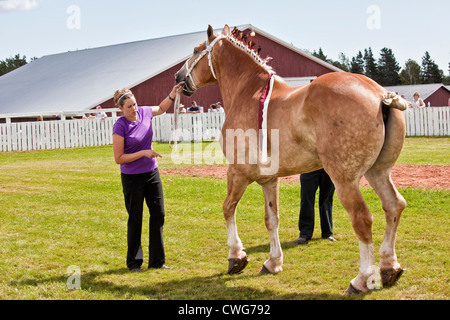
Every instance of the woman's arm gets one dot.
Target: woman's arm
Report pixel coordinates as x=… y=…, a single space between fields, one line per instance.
x=167 y=102
x=120 y=157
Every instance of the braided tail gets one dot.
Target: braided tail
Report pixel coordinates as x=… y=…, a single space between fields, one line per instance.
x=392 y=100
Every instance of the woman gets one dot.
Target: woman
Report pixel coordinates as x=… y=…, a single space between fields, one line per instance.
x=417 y=102
x=132 y=145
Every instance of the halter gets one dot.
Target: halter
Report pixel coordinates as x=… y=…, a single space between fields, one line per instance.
x=208 y=51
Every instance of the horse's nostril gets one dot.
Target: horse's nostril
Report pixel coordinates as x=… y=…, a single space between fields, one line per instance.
x=179 y=78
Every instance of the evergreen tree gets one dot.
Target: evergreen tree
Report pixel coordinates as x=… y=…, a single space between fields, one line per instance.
x=410 y=74
x=370 y=65
x=357 y=64
x=343 y=63
x=12 y=63
x=430 y=70
x=320 y=55
x=388 y=68
x=446 y=79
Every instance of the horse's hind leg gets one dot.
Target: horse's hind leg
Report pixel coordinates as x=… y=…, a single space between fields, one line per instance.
x=393 y=205
x=361 y=218
x=236 y=185
x=271 y=218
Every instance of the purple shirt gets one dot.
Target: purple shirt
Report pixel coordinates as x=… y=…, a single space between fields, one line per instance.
x=137 y=136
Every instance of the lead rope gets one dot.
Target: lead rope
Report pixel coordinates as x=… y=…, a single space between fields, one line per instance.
x=174 y=134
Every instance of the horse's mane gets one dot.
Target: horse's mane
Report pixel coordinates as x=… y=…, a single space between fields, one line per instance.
x=239 y=39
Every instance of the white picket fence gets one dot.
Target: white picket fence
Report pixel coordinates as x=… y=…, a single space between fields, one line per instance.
x=60 y=134
x=191 y=126
x=23 y=136
x=433 y=121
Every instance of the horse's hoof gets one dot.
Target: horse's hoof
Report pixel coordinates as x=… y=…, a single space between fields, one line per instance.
x=264 y=270
x=237 y=265
x=352 y=290
x=390 y=276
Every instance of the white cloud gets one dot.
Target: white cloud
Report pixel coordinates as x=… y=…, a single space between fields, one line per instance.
x=13 y=5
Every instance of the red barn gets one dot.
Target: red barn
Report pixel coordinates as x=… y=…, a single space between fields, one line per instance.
x=436 y=94
x=84 y=79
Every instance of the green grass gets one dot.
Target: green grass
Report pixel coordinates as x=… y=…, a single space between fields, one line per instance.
x=61 y=208
x=430 y=150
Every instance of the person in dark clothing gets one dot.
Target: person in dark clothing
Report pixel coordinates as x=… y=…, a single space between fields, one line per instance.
x=309 y=182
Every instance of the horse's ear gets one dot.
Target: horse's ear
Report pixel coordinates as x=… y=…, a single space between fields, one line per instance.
x=226 y=30
x=210 y=31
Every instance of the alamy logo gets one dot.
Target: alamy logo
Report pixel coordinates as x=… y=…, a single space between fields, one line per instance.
x=373 y=22
x=73 y=22
x=241 y=147
x=74 y=280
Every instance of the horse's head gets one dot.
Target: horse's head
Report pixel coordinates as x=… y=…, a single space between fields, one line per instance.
x=198 y=70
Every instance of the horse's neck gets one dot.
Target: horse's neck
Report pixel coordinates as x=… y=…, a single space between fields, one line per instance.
x=241 y=79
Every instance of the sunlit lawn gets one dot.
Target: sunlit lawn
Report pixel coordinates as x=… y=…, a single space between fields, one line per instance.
x=61 y=208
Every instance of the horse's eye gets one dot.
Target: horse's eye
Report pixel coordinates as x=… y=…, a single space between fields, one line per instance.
x=195 y=51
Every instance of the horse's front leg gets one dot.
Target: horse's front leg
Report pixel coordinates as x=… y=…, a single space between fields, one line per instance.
x=271 y=192
x=236 y=185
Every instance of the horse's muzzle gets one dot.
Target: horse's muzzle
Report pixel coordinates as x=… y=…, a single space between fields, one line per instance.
x=180 y=76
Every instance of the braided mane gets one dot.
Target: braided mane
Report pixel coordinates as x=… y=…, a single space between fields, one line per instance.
x=239 y=39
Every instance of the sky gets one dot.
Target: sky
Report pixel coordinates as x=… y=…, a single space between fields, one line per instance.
x=36 y=28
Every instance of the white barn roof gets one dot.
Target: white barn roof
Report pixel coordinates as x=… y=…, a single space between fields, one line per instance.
x=424 y=90
x=80 y=80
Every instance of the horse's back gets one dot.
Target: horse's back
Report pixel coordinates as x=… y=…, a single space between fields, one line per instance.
x=341 y=88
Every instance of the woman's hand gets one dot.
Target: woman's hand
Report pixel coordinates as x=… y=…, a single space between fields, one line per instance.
x=178 y=88
x=167 y=102
x=151 y=154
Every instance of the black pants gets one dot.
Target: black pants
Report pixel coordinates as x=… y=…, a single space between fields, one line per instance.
x=136 y=189
x=309 y=183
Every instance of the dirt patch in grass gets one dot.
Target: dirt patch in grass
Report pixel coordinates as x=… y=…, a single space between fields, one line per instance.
x=416 y=176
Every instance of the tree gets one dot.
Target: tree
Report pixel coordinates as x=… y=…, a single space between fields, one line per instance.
x=430 y=70
x=320 y=55
x=388 y=68
x=410 y=74
x=357 y=64
x=370 y=65
x=446 y=79
x=344 y=62
x=12 y=63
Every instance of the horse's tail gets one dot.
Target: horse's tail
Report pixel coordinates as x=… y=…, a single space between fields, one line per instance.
x=393 y=100
x=395 y=130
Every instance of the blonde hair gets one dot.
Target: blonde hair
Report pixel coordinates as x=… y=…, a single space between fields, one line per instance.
x=416 y=94
x=121 y=95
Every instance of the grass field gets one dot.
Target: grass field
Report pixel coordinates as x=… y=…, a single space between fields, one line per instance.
x=62 y=208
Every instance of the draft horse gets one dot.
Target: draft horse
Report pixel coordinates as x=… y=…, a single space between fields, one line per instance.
x=342 y=122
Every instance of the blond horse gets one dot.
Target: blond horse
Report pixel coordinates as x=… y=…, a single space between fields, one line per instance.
x=342 y=122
